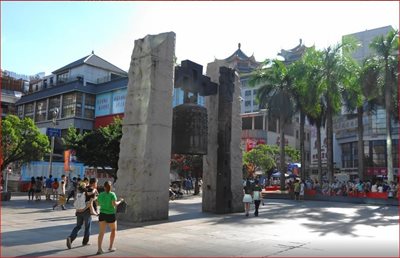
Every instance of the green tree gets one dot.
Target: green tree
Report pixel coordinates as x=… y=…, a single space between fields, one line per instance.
x=264 y=157
x=386 y=48
x=275 y=94
x=98 y=148
x=21 y=141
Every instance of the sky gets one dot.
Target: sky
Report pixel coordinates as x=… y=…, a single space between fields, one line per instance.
x=44 y=36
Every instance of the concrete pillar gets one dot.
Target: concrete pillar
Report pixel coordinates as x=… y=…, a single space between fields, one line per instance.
x=145 y=150
x=222 y=176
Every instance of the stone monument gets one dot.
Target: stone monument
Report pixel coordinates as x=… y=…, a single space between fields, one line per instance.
x=145 y=149
x=222 y=166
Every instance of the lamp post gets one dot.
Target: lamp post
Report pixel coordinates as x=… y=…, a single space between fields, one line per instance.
x=8 y=171
x=54 y=123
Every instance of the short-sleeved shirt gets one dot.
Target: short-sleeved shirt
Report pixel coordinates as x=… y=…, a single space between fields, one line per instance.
x=105 y=202
x=61 y=187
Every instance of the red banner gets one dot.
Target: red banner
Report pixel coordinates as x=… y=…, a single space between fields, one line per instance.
x=375 y=171
x=67 y=157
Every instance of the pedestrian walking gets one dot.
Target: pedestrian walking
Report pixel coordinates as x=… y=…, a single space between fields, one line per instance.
x=83 y=215
x=257 y=196
x=296 y=190
x=302 y=188
x=31 y=191
x=107 y=201
x=48 y=187
x=38 y=189
x=61 y=194
x=247 y=199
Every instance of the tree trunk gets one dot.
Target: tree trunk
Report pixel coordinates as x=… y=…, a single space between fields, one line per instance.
x=319 y=153
x=329 y=137
x=302 y=150
x=282 y=152
x=388 y=125
x=360 y=142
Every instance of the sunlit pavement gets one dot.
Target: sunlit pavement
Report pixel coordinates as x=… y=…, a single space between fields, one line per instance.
x=283 y=228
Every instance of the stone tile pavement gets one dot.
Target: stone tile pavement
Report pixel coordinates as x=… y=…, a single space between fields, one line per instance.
x=284 y=228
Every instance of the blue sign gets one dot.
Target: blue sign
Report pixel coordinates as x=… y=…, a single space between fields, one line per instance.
x=56 y=132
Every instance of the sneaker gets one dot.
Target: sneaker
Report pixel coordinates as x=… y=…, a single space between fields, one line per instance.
x=86 y=244
x=99 y=252
x=112 y=249
x=69 y=242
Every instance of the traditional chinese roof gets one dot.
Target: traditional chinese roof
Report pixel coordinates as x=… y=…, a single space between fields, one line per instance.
x=239 y=61
x=293 y=54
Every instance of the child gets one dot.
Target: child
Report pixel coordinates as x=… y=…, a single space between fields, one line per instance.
x=82 y=189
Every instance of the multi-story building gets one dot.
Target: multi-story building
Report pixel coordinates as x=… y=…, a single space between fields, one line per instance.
x=373 y=123
x=11 y=91
x=72 y=90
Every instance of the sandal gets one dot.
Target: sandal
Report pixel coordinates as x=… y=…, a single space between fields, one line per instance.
x=99 y=252
x=112 y=249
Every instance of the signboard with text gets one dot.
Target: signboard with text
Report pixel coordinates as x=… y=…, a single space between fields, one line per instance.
x=110 y=103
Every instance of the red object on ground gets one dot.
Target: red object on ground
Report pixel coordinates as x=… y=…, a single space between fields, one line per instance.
x=272 y=188
x=310 y=192
x=377 y=195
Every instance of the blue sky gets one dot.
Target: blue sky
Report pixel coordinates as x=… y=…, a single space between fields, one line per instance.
x=44 y=36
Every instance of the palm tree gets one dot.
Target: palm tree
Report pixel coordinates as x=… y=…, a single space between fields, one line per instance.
x=361 y=94
x=308 y=87
x=386 y=48
x=275 y=94
x=334 y=76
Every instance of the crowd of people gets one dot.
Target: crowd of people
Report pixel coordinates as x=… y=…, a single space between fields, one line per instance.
x=353 y=187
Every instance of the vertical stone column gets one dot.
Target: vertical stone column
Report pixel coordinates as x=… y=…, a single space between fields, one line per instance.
x=222 y=180
x=145 y=149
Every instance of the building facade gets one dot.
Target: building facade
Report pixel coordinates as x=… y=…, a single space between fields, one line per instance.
x=12 y=89
x=374 y=125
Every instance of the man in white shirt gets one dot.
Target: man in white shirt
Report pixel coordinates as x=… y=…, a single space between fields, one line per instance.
x=61 y=194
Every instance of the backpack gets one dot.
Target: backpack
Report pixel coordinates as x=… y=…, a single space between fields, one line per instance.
x=80 y=201
x=55 y=185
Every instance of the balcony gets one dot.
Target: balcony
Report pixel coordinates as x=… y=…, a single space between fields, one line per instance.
x=256 y=134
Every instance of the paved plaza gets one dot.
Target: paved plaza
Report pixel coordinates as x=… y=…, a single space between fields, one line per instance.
x=283 y=228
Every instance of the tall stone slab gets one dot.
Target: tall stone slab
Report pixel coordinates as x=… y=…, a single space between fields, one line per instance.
x=222 y=177
x=145 y=149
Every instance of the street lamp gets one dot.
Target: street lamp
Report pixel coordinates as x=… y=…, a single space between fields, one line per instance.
x=54 y=115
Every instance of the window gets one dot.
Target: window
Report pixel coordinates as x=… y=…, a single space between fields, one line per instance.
x=68 y=106
x=21 y=111
x=379 y=153
x=247 y=103
x=29 y=110
x=90 y=101
x=41 y=109
x=254 y=92
x=297 y=134
x=247 y=123
x=78 y=104
x=258 y=122
x=62 y=78
x=272 y=125
x=247 y=93
x=54 y=103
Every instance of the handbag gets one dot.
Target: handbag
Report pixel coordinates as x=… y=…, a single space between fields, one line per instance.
x=122 y=207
